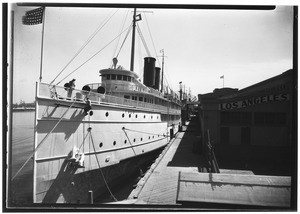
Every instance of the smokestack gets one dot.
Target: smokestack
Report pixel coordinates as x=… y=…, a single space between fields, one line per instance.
x=149 y=71
x=157 y=78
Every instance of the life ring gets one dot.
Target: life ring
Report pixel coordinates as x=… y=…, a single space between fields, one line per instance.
x=101 y=90
x=86 y=88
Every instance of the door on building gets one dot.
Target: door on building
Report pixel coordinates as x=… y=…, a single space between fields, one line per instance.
x=245 y=136
x=224 y=135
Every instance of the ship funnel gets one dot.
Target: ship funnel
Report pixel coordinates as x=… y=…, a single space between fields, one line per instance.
x=157 y=78
x=149 y=71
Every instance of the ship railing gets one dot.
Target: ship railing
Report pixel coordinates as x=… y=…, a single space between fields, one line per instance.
x=62 y=93
x=119 y=87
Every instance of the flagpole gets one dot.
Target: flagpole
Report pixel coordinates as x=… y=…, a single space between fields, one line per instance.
x=223 y=80
x=42 y=45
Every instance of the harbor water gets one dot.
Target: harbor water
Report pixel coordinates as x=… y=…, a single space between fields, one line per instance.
x=22 y=148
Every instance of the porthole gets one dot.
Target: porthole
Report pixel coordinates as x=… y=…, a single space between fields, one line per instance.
x=153 y=136
x=123 y=115
x=149 y=137
x=157 y=117
x=136 y=116
x=125 y=141
x=151 y=117
x=141 y=139
x=144 y=116
x=101 y=144
x=129 y=115
x=106 y=114
x=134 y=140
x=114 y=143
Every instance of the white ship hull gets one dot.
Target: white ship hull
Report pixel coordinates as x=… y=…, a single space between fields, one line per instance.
x=114 y=134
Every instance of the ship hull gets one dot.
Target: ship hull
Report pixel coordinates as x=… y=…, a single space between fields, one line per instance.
x=110 y=139
x=70 y=187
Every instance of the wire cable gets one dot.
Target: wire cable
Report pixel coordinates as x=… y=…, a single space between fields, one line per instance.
x=85 y=44
x=92 y=56
x=91 y=137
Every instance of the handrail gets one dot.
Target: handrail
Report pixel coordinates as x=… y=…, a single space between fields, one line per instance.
x=60 y=93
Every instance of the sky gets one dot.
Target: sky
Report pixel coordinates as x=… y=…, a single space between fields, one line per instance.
x=200 y=46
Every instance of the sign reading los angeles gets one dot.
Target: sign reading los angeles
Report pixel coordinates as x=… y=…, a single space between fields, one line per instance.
x=254 y=101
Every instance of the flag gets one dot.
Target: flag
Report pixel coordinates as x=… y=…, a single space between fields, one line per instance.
x=222 y=77
x=138 y=17
x=33 y=17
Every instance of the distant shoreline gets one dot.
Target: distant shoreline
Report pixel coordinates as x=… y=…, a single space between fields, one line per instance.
x=23 y=109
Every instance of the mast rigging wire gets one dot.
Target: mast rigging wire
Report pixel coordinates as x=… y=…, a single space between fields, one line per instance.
x=120 y=31
x=143 y=40
x=151 y=37
x=92 y=56
x=85 y=44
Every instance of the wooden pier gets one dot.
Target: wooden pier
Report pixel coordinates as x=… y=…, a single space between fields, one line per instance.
x=181 y=177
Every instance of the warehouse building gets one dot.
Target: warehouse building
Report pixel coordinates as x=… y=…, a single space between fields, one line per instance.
x=259 y=115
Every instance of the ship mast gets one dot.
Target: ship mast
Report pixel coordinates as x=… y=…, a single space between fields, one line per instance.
x=162 y=71
x=133 y=40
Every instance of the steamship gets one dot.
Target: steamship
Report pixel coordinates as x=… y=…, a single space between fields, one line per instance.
x=88 y=139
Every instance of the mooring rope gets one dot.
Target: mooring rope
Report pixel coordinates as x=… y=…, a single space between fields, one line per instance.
x=89 y=129
x=44 y=139
x=129 y=141
x=145 y=132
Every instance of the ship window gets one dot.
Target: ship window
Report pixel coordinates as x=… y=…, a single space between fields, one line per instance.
x=129 y=79
x=136 y=116
x=125 y=141
x=124 y=78
x=113 y=76
x=101 y=144
x=119 y=77
x=114 y=143
x=140 y=98
x=108 y=76
x=123 y=115
x=126 y=96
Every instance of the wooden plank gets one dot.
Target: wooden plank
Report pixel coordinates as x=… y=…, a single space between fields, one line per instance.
x=237 y=179
x=271 y=191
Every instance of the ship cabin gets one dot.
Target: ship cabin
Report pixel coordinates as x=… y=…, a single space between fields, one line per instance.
x=126 y=84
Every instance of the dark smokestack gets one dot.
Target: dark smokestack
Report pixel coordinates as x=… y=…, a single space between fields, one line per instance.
x=149 y=71
x=157 y=78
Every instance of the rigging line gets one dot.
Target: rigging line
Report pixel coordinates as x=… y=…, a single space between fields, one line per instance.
x=143 y=40
x=42 y=141
x=100 y=167
x=124 y=41
x=129 y=140
x=151 y=37
x=120 y=31
x=92 y=56
x=83 y=140
x=146 y=132
x=85 y=44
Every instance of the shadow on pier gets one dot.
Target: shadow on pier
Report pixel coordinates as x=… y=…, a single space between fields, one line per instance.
x=188 y=153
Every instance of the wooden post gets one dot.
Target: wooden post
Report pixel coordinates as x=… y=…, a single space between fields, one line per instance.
x=91 y=198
